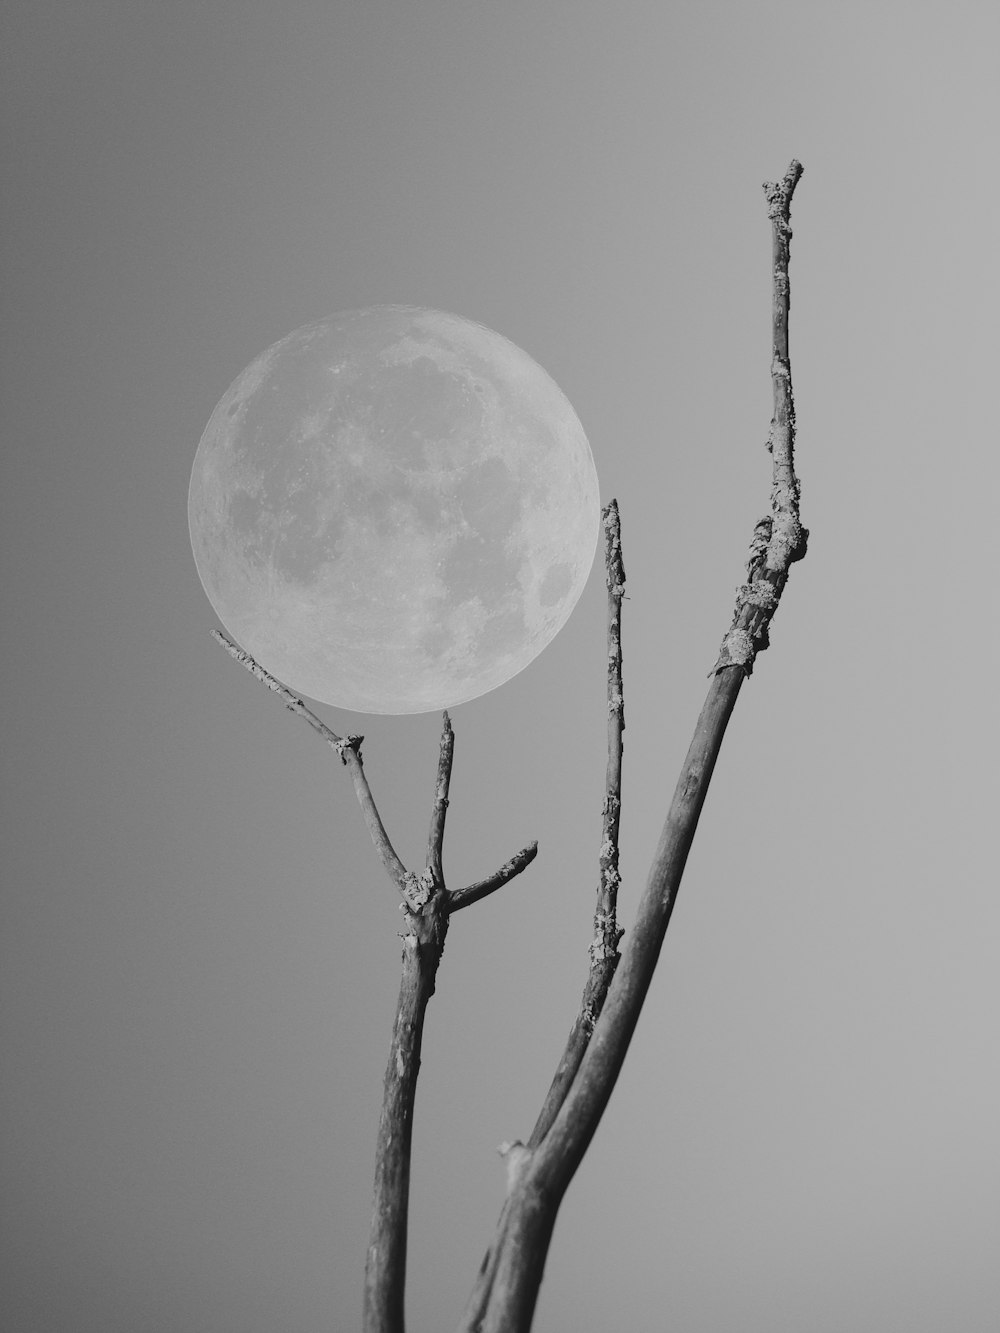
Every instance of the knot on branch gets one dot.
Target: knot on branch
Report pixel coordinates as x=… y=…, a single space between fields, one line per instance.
x=610 y=877
x=607 y=933
x=345 y=743
x=760 y=594
x=417 y=890
x=787 y=544
x=601 y=951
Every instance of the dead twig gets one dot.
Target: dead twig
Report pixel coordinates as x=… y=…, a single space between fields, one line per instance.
x=347 y=747
x=604 y=948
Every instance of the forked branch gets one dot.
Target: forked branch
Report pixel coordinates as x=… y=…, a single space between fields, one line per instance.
x=518 y=1260
x=427 y=906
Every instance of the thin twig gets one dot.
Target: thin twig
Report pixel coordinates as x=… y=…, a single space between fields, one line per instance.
x=604 y=948
x=349 y=750
x=435 y=838
x=459 y=898
x=533 y=1202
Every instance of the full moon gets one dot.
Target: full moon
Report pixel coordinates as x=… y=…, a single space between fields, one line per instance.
x=393 y=510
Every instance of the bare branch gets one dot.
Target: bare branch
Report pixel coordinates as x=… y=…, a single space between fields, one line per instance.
x=529 y=1214
x=779 y=539
x=349 y=750
x=427 y=907
x=460 y=898
x=604 y=948
x=435 y=839
x=385 y=1268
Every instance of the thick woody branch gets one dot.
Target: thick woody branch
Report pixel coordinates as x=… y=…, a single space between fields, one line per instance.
x=460 y=898
x=533 y=1202
x=349 y=750
x=532 y=1208
x=385 y=1267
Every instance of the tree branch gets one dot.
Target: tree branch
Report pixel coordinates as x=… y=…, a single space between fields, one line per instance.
x=385 y=1267
x=427 y=906
x=778 y=539
x=472 y=893
x=349 y=750
x=435 y=839
x=537 y=1191
x=604 y=949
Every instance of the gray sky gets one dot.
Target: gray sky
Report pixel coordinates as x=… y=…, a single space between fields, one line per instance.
x=200 y=958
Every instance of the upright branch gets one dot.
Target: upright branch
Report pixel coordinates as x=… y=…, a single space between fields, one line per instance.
x=538 y=1187
x=779 y=539
x=435 y=838
x=425 y=913
x=427 y=907
x=604 y=948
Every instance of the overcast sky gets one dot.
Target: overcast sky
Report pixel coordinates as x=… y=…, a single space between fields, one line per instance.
x=200 y=952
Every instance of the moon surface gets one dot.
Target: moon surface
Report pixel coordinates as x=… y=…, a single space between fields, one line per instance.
x=394 y=510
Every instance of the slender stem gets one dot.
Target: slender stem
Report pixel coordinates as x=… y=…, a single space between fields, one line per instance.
x=459 y=898
x=348 y=748
x=385 y=1268
x=604 y=949
x=435 y=838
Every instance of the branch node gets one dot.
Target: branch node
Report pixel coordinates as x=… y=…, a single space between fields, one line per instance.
x=417 y=890
x=346 y=743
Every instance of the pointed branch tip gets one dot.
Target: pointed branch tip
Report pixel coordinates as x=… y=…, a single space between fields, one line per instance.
x=460 y=898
